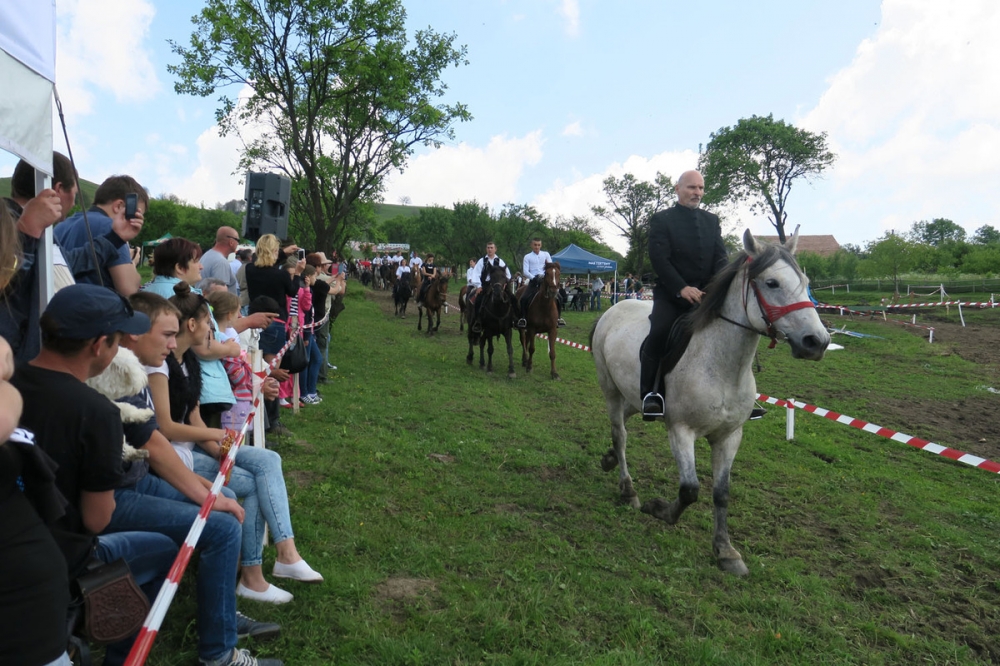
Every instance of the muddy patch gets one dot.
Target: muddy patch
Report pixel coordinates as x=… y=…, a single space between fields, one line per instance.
x=968 y=425
x=302 y=478
x=400 y=596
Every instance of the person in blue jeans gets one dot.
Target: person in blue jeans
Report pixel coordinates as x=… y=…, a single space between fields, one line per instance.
x=82 y=432
x=256 y=478
x=169 y=502
x=309 y=379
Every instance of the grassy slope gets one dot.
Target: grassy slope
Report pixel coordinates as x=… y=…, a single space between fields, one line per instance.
x=861 y=550
x=386 y=211
x=88 y=188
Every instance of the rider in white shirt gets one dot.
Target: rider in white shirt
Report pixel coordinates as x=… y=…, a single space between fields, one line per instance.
x=482 y=270
x=533 y=269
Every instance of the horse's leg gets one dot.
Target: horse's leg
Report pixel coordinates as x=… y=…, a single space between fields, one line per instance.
x=522 y=335
x=682 y=445
x=420 y=316
x=489 y=359
x=509 y=335
x=482 y=347
x=723 y=452
x=552 y=352
x=616 y=456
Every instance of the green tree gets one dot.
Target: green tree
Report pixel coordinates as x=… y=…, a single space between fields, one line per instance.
x=813 y=265
x=843 y=264
x=986 y=235
x=889 y=257
x=982 y=260
x=631 y=202
x=341 y=96
x=757 y=161
x=936 y=232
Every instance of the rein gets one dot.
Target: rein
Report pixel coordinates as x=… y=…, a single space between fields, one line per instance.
x=769 y=313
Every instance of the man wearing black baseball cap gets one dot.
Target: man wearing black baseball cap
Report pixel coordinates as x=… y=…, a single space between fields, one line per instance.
x=82 y=431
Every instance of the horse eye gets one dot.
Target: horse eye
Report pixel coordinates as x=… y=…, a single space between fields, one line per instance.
x=772 y=283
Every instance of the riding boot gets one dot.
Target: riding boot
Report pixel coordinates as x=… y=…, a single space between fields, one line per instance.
x=560 y=322
x=652 y=401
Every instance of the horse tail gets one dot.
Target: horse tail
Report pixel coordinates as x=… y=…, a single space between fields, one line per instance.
x=593 y=328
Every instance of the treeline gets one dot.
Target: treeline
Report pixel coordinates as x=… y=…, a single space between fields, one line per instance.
x=170 y=214
x=939 y=247
x=461 y=232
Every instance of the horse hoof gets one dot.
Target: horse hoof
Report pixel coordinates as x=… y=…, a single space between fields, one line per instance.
x=734 y=566
x=511 y=375
x=659 y=508
x=609 y=461
x=555 y=376
x=631 y=500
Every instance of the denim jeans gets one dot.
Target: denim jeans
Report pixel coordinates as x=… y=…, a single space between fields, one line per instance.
x=323 y=341
x=156 y=506
x=310 y=376
x=257 y=480
x=595 y=300
x=149 y=557
x=273 y=338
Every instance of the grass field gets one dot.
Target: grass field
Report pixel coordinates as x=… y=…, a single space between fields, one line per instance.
x=461 y=518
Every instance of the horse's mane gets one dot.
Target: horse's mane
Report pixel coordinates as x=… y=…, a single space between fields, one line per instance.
x=718 y=288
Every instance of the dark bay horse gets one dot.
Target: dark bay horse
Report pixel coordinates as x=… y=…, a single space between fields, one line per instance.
x=497 y=314
x=710 y=391
x=542 y=314
x=434 y=301
x=401 y=296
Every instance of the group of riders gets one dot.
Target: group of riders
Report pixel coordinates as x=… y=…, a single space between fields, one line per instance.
x=477 y=277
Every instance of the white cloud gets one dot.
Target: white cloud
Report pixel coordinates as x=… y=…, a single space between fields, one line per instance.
x=101 y=48
x=915 y=120
x=570 y=11
x=576 y=197
x=463 y=172
x=573 y=129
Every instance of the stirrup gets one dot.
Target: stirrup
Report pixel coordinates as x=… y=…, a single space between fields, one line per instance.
x=477 y=328
x=522 y=323
x=757 y=413
x=652 y=406
x=560 y=322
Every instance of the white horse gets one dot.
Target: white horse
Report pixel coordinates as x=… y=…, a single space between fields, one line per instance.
x=711 y=390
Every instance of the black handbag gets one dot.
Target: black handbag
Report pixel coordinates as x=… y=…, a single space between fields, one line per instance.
x=114 y=606
x=296 y=358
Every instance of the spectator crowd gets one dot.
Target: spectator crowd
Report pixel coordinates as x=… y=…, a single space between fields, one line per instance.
x=117 y=403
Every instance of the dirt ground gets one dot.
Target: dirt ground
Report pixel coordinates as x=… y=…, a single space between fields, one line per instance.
x=969 y=425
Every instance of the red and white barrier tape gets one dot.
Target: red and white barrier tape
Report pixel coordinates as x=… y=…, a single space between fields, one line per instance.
x=154 y=619
x=985 y=304
x=575 y=345
x=916 y=442
x=871 y=314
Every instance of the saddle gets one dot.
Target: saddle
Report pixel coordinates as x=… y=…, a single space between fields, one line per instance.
x=677 y=343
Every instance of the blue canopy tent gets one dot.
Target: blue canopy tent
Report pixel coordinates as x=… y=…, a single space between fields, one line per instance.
x=574 y=259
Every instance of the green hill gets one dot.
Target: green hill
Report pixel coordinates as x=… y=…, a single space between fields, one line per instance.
x=386 y=211
x=88 y=188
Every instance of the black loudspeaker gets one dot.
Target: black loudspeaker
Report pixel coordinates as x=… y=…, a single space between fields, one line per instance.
x=267 y=196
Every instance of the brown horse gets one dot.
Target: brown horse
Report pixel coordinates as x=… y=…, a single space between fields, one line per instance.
x=434 y=300
x=496 y=314
x=541 y=315
x=463 y=295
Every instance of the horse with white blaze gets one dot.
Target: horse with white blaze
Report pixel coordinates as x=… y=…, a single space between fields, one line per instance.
x=710 y=389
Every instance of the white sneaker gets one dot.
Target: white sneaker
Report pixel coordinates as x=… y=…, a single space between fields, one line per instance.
x=316 y=398
x=299 y=571
x=272 y=595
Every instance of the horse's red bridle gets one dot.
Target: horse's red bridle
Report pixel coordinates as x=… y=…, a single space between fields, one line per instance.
x=770 y=313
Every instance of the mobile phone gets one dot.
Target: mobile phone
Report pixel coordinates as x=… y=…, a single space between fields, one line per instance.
x=301 y=254
x=131 y=205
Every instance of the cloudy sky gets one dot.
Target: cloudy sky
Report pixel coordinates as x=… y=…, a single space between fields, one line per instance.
x=567 y=92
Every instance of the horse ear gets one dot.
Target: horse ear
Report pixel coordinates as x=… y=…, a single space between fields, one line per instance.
x=792 y=244
x=750 y=244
